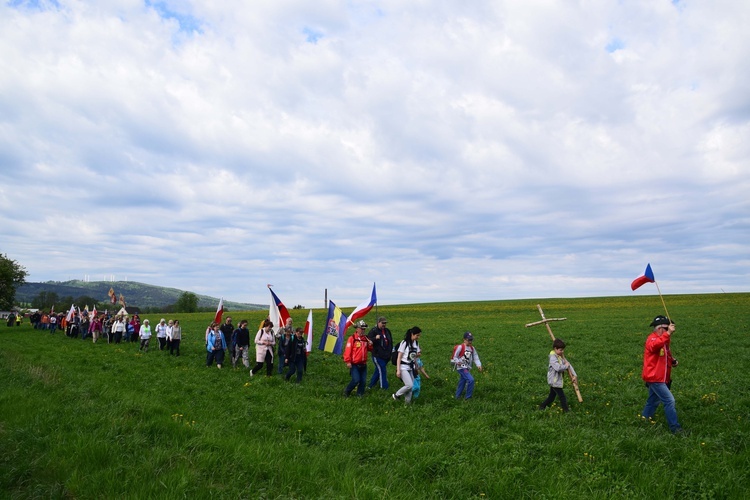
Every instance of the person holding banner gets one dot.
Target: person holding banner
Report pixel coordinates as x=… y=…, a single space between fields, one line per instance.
x=657 y=372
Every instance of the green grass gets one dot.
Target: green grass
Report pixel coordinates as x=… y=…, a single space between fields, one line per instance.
x=79 y=420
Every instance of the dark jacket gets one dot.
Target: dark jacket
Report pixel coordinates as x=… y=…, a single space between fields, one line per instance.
x=382 y=347
x=241 y=337
x=295 y=348
x=227 y=330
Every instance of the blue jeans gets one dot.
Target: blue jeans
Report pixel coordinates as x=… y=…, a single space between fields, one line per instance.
x=658 y=392
x=359 y=376
x=380 y=373
x=465 y=380
x=282 y=361
x=298 y=367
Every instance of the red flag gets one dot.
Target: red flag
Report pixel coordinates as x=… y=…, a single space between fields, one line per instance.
x=648 y=277
x=219 y=311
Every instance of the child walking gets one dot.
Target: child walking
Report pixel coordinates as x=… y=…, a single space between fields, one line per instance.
x=558 y=365
x=464 y=355
x=417 y=386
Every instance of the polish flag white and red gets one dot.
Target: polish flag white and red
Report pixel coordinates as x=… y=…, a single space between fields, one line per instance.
x=308 y=331
x=219 y=311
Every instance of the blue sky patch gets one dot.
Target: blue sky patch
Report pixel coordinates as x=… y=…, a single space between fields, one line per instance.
x=614 y=45
x=312 y=35
x=34 y=4
x=187 y=22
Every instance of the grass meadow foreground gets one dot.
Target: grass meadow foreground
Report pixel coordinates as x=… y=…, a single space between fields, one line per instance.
x=84 y=420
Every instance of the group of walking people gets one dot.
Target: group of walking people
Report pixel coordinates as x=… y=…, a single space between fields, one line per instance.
x=407 y=357
x=288 y=344
x=115 y=328
x=657 y=366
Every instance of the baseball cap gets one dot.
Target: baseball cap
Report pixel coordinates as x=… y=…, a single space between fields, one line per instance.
x=468 y=336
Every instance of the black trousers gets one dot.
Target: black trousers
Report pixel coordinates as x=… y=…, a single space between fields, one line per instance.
x=555 y=391
x=268 y=363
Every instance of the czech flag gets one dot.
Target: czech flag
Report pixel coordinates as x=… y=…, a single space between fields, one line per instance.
x=277 y=312
x=648 y=277
x=361 y=310
x=333 y=334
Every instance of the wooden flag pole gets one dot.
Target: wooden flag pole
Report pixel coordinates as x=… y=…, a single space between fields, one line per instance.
x=662 y=301
x=546 y=323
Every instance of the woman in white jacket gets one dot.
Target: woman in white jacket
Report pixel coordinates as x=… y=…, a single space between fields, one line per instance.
x=264 y=344
x=145 y=335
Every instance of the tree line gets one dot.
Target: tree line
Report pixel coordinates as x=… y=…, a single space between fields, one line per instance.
x=13 y=275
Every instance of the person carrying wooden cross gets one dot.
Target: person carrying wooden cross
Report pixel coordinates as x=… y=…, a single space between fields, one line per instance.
x=573 y=377
x=558 y=365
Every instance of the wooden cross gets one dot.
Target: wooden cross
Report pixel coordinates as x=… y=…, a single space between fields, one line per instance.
x=546 y=321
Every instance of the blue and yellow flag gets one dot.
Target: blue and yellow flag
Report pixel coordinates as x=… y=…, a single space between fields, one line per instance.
x=332 y=339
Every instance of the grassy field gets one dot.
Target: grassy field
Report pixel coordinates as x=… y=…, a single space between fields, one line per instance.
x=79 y=420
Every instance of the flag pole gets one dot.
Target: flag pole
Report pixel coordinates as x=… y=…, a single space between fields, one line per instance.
x=662 y=301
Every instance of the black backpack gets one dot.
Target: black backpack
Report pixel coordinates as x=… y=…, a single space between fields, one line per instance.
x=394 y=356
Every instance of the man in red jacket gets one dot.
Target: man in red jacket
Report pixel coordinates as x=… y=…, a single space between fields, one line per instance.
x=355 y=357
x=657 y=372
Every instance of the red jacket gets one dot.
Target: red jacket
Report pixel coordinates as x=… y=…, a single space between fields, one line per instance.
x=657 y=359
x=356 y=349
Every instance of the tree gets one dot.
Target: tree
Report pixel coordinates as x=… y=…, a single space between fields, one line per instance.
x=187 y=303
x=44 y=300
x=85 y=300
x=12 y=275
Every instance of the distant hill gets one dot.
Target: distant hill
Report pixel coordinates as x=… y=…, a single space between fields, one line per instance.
x=136 y=294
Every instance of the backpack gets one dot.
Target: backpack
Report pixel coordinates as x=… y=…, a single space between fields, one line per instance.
x=394 y=353
x=394 y=356
x=457 y=353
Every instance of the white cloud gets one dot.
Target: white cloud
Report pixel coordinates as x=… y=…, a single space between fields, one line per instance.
x=491 y=150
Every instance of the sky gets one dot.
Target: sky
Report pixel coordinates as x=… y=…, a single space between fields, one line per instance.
x=446 y=151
